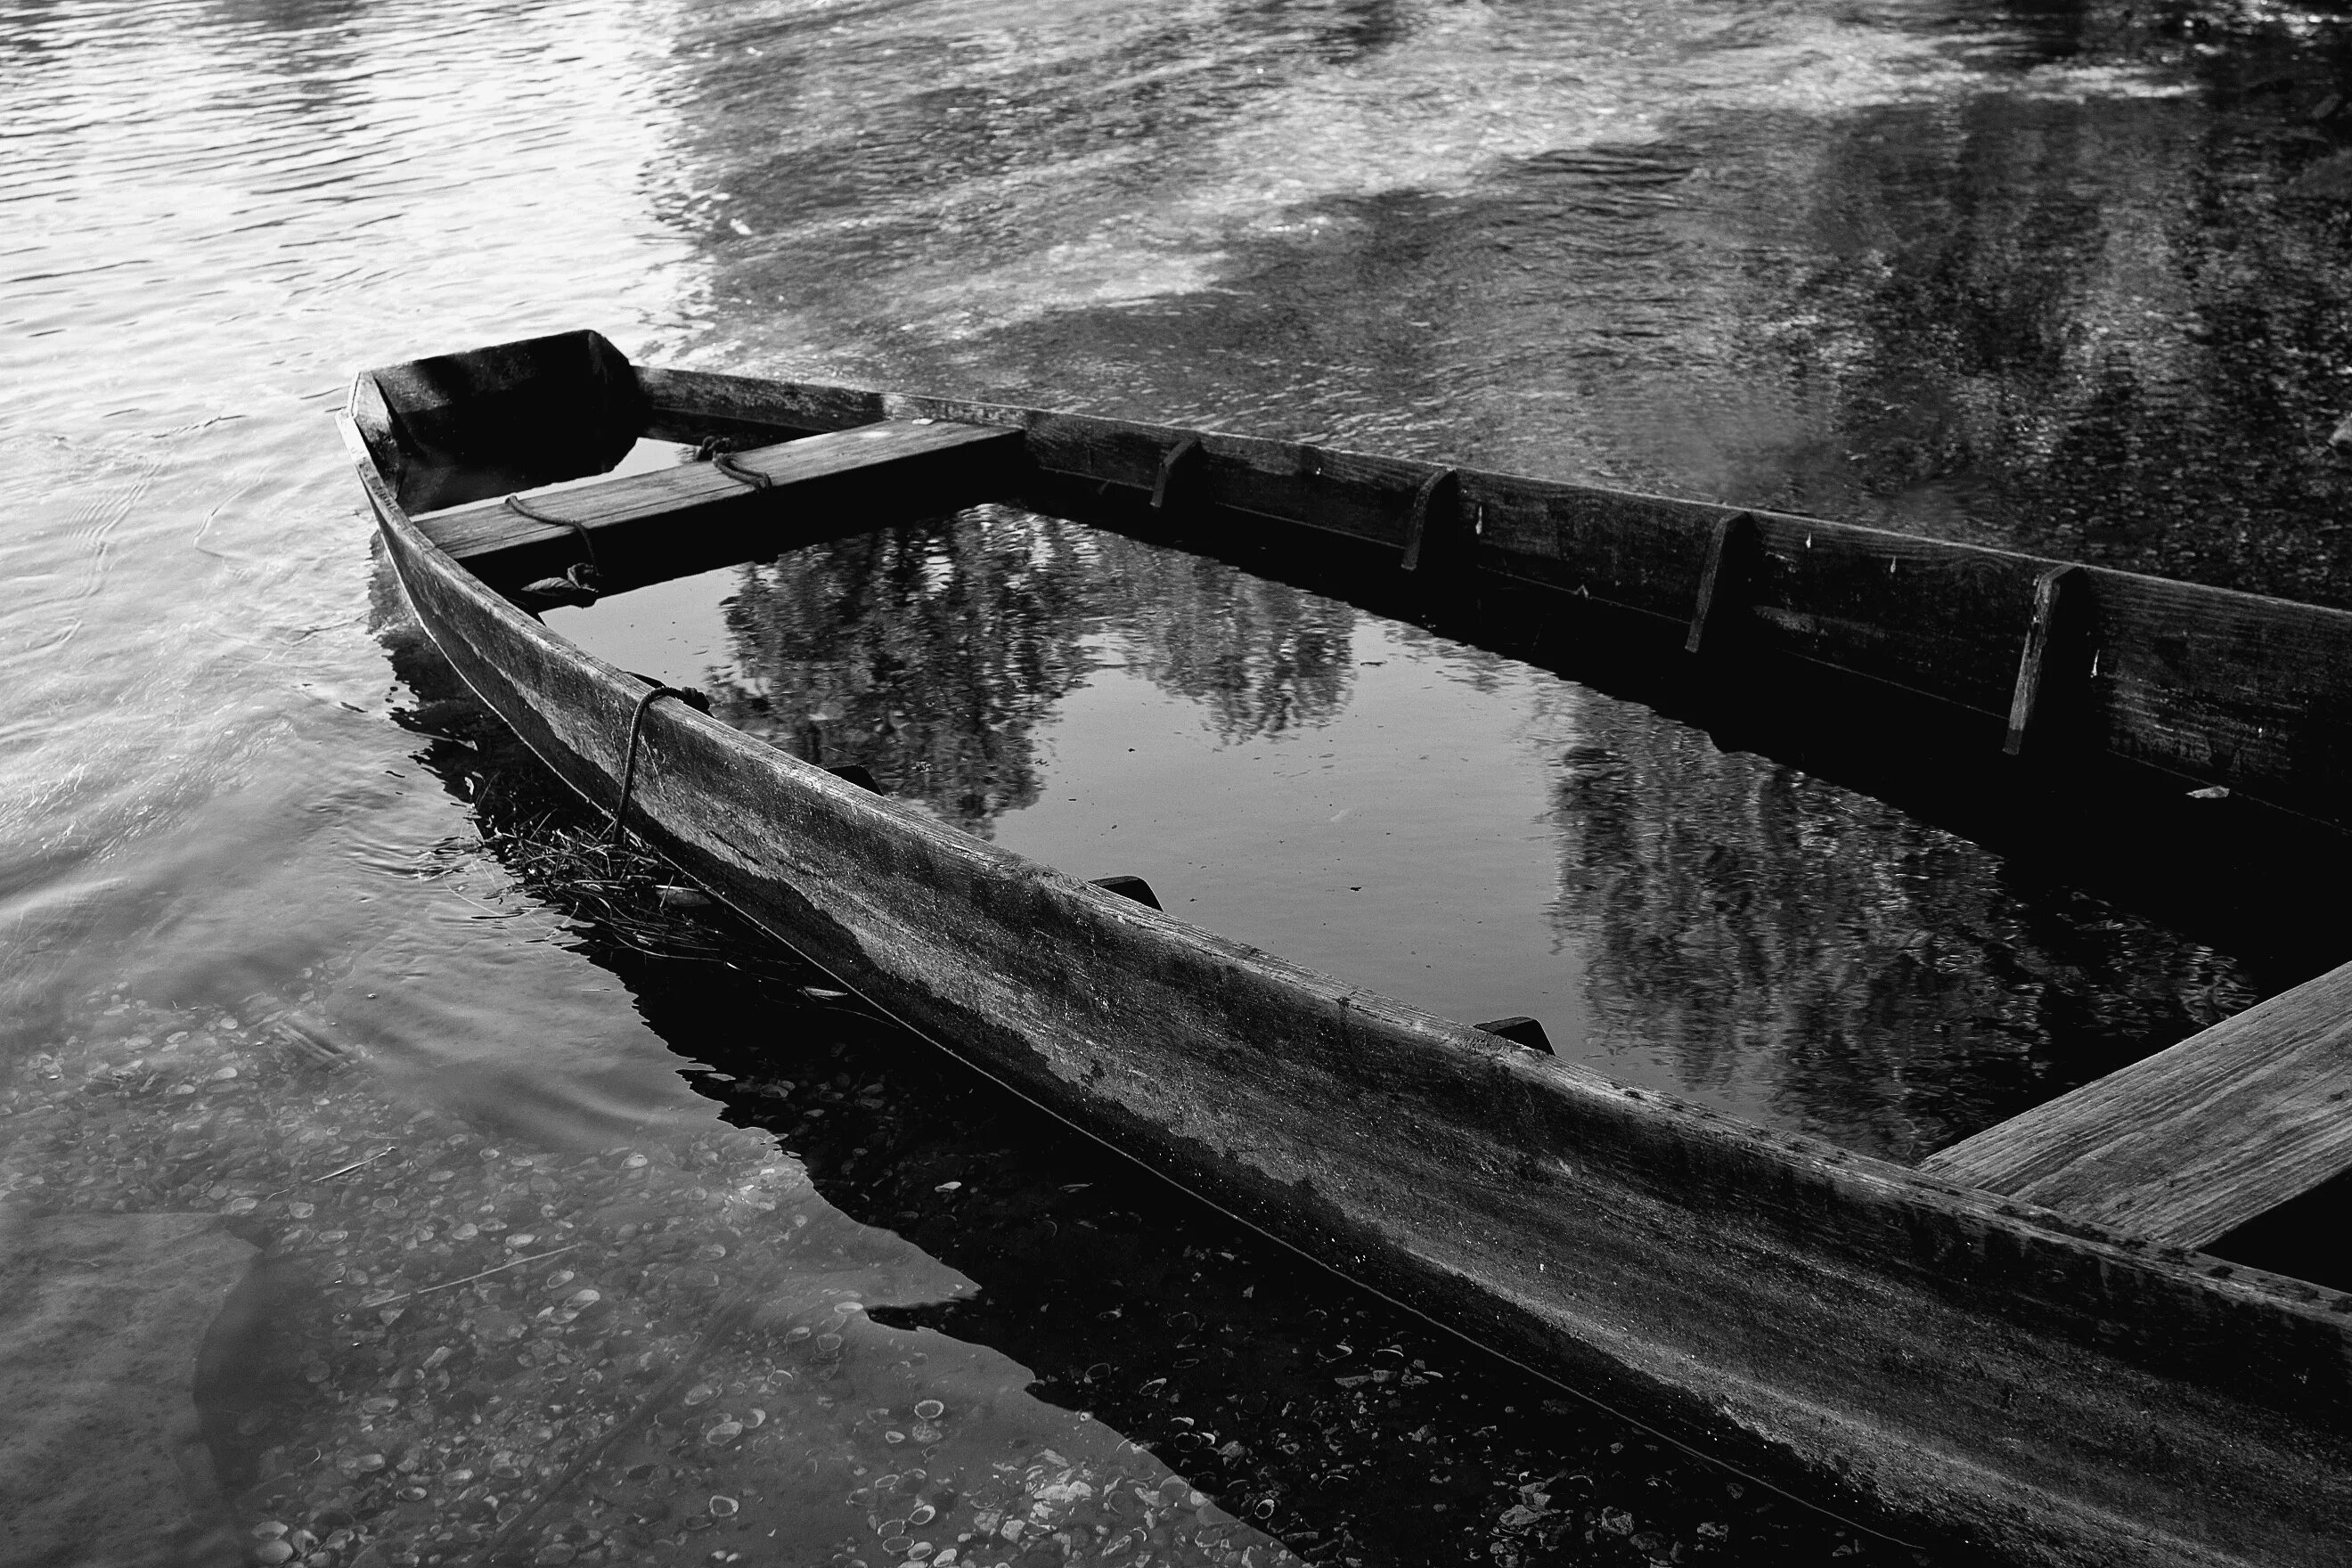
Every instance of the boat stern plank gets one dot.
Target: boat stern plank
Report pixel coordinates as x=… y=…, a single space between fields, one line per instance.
x=647 y=527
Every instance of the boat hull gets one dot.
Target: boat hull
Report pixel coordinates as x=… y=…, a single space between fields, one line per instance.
x=1946 y=1365
x=1966 y=1371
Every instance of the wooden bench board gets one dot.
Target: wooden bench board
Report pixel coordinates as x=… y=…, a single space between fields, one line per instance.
x=2191 y=1142
x=491 y=537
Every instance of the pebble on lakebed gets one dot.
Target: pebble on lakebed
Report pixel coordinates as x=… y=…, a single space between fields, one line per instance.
x=432 y=1377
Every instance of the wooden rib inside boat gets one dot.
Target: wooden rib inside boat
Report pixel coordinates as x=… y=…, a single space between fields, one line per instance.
x=2015 y=1349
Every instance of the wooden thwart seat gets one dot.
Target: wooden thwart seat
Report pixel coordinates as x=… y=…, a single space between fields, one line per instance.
x=2193 y=1142
x=645 y=527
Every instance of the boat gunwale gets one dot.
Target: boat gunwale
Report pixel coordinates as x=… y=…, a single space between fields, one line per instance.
x=2137 y=731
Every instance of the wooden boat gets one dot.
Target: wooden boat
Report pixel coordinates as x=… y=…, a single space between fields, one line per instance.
x=2016 y=1349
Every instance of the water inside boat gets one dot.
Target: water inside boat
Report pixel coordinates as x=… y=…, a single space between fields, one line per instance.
x=1472 y=833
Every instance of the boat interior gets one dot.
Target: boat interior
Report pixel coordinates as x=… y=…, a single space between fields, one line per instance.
x=1935 y=838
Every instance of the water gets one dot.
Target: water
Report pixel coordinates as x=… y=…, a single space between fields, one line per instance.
x=2065 y=277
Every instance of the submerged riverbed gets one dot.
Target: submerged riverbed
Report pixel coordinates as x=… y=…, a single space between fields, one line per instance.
x=289 y=936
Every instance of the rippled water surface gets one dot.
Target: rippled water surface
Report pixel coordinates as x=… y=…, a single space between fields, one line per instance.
x=288 y=936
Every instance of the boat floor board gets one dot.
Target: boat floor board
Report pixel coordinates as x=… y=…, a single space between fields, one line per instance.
x=2191 y=1142
x=776 y=495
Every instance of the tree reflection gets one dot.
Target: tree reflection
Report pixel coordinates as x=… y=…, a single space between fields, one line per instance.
x=1262 y=657
x=1900 y=986
x=933 y=654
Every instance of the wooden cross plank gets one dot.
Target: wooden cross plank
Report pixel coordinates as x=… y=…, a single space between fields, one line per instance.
x=646 y=527
x=2190 y=1144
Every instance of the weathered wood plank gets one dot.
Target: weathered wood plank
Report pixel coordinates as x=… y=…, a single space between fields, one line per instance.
x=1350 y=493
x=2186 y=1145
x=1917 y=613
x=688 y=404
x=1889 y=604
x=1639 y=552
x=680 y=515
x=2229 y=689
x=2215 y=686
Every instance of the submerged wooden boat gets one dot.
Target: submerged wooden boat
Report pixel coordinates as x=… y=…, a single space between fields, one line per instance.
x=2017 y=1349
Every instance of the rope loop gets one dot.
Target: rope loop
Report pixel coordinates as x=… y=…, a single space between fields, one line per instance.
x=726 y=464
x=522 y=507
x=629 y=757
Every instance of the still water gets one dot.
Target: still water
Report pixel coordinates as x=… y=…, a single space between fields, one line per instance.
x=284 y=942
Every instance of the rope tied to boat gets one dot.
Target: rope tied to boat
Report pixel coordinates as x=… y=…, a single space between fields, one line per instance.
x=629 y=756
x=726 y=464
x=582 y=574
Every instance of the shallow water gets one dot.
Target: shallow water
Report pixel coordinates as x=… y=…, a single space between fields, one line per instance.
x=2066 y=276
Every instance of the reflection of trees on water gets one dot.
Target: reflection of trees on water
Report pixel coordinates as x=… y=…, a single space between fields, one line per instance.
x=2094 y=305
x=2090 y=329
x=1905 y=988
x=927 y=654
x=1262 y=657
x=932 y=654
